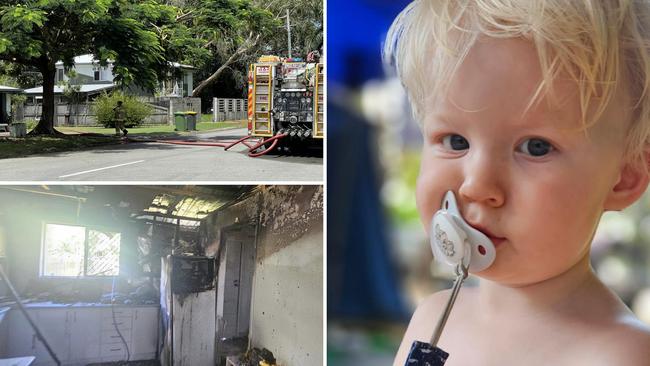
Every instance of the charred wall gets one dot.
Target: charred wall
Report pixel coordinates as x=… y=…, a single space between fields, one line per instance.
x=24 y=215
x=287 y=290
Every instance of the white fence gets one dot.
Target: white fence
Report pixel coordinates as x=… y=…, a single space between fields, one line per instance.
x=229 y=109
x=83 y=115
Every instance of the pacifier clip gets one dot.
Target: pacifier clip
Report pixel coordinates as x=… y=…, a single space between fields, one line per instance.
x=428 y=354
x=456 y=243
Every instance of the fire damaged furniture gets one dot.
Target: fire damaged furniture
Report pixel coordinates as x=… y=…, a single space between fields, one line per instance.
x=85 y=333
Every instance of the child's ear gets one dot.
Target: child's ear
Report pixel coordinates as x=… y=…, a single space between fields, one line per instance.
x=632 y=183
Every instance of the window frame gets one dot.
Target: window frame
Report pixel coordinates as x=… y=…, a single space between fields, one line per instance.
x=87 y=228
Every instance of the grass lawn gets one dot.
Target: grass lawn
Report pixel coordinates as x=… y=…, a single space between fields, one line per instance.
x=163 y=130
x=73 y=140
x=13 y=148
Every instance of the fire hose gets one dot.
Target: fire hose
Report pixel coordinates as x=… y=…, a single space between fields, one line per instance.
x=253 y=147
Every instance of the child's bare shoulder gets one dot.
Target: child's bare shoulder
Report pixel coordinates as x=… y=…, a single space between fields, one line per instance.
x=432 y=305
x=614 y=338
x=421 y=326
x=624 y=342
x=437 y=300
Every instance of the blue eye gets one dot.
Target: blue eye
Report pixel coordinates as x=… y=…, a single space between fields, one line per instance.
x=536 y=147
x=455 y=142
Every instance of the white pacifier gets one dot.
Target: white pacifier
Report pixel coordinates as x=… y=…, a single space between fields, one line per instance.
x=455 y=242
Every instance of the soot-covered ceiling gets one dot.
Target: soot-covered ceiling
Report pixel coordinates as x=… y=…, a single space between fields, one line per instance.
x=173 y=201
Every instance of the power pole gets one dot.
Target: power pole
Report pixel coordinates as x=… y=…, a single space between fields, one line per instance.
x=289 y=32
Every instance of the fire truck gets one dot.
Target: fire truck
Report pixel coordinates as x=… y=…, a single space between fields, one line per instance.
x=285 y=99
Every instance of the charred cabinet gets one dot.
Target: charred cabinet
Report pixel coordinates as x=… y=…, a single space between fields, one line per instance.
x=188 y=310
x=192 y=274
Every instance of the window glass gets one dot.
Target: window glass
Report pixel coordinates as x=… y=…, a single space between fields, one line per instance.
x=103 y=253
x=63 y=250
x=74 y=251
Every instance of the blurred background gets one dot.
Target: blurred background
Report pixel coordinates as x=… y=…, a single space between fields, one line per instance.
x=379 y=262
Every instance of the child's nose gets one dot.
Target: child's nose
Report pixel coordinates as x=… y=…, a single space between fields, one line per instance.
x=482 y=181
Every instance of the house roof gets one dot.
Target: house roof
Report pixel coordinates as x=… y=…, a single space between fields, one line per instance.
x=90 y=60
x=182 y=66
x=85 y=88
x=8 y=89
x=83 y=60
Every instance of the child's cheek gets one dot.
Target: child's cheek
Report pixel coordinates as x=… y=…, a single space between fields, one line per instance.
x=433 y=181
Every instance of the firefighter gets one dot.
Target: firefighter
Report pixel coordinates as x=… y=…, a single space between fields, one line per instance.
x=119 y=116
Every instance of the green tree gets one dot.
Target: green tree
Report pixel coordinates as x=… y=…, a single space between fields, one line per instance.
x=225 y=30
x=38 y=33
x=306 y=20
x=221 y=37
x=19 y=76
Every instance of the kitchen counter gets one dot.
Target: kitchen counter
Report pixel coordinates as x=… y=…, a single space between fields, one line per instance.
x=49 y=304
x=17 y=361
x=3 y=312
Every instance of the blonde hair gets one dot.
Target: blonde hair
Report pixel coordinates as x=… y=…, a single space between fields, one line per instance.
x=601 y=44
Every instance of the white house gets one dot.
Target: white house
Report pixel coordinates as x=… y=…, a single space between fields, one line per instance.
x=88 y=71
x=94 y=79
x=179 y=85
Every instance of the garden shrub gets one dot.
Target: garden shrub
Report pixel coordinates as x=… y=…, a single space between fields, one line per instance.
x=136 y=111
x=30 y=123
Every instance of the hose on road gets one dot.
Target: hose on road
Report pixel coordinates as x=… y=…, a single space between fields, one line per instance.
x=227 y=144
x=257 y=143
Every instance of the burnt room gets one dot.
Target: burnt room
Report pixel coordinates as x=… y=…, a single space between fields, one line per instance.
x=161 y=275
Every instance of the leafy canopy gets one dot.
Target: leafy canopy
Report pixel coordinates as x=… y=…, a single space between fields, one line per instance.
x=40 y=33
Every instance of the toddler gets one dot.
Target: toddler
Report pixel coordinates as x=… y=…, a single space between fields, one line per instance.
x=536 y=114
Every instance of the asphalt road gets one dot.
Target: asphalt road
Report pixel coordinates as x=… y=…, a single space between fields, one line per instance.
x=156 y=162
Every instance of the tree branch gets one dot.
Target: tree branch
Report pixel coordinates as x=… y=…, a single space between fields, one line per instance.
x=269 y=4
x=182 y=17
x=249 y=43
x=158 y=29
x=209 y=43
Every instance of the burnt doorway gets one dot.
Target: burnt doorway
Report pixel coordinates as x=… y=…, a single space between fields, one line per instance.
x=234 y=287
